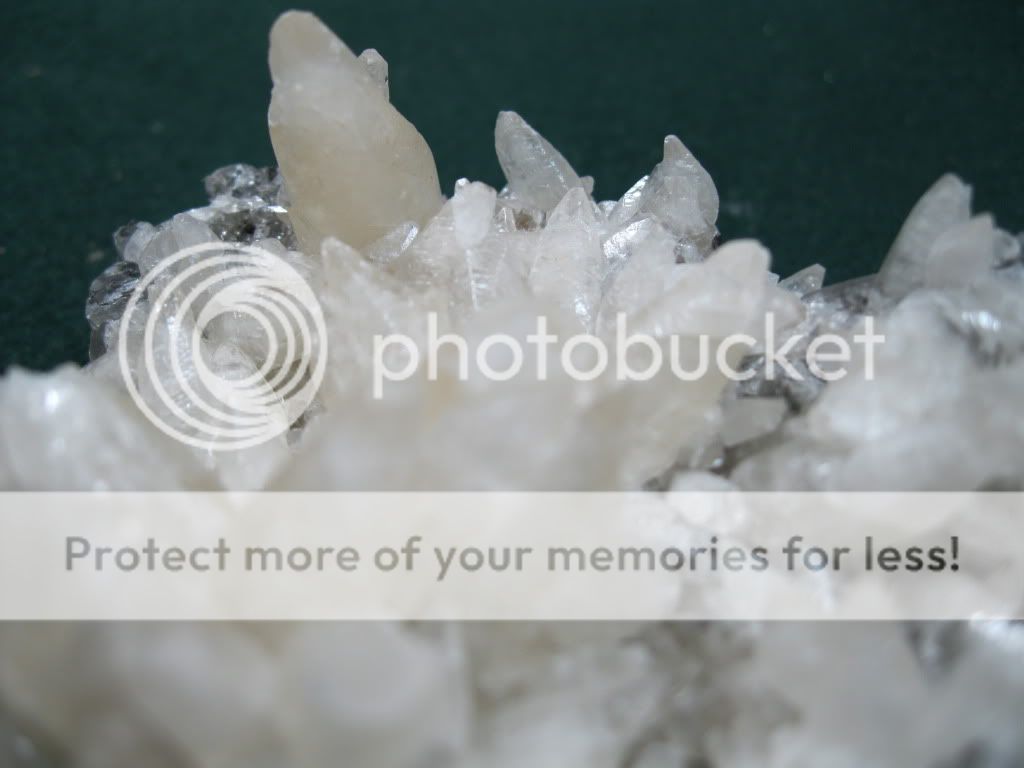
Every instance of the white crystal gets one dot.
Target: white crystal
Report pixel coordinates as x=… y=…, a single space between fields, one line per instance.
x=473 y=209
x=569 y=266
x=68 y=431
x=377 y=66
x=807 y=280
x=962 y=253
x=679 y=193
x=946 y=204
x=536 y=172
x=383 y=251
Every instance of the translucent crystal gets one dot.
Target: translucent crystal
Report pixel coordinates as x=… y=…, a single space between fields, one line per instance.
x=354 y=168
x=242 y=182
x=108 y=297
x=536 y=172
x=462 y=251
x=680 y=194
x=252 y=224
x=149 y=247
x=569 y=267
x=384 y=254
x=1008 y=249
x=989 y=316
x=962 y=253
x=377 y=66
x=641 y=264
x=516 y=214
x=946 y=204
x=123 y=234
x=807 y=280
x=692 y=304
x=389 y=247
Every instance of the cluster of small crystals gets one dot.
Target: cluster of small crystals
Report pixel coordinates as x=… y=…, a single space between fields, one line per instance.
x=358 y=208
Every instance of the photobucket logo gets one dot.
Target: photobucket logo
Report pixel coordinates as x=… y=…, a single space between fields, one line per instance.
x=222 y=346
x=633 y=356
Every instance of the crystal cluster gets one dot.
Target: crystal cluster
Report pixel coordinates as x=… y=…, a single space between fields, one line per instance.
x=358 y=210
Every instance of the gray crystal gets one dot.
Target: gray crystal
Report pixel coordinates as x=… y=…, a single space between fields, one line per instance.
x=990 y=317
x=252 y=224
x=536 y=172
x=377 y=66
x=799 y=393
x=946 y=204
x=244 y=182
x=108 y=296
x=836 y=306
x=1008 y=249
x=681 y=194
x=123 y=234
x=807 y=280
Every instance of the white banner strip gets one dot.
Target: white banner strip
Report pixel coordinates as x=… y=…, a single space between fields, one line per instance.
x=510 y=556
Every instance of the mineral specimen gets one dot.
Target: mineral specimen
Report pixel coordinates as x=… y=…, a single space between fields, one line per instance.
x=537 y=174
x=354 y=167
x=384 y=251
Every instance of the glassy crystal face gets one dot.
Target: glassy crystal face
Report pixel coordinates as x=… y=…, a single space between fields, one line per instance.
x=244 y=182
x=108 y=297
x=357 y=211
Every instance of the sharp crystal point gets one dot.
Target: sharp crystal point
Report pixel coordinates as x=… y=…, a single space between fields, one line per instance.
x=354 y=168
x=361 y=219
x=473 y=208
x=536 y=172
x=946 y=204
x=673 y=150
x=377 y=66
x=807 y=280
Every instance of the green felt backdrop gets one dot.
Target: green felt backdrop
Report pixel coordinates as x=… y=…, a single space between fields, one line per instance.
x=821 y=122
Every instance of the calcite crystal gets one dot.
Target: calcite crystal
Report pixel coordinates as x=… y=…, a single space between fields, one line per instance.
x=537 y=173
x=355 y=168
x=357 y=210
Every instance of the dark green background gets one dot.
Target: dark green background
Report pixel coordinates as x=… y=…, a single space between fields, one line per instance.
x=821 y=122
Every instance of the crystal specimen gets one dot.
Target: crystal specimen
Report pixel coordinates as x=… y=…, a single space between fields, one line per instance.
x=537 y=173
x=807 y=280
x=70 y=420
x=377 y=66
x=244 y=182
x=246 y=205
x=354 y=167
x=945 y=206
x=108 y=297
x=384 y=253
x=681 y=195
